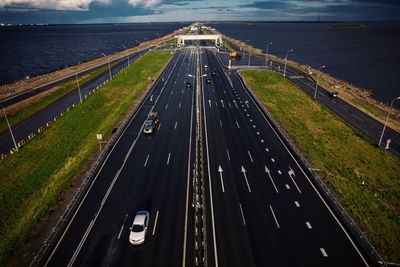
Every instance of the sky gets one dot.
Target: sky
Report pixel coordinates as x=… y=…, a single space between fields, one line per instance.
x=125 y=11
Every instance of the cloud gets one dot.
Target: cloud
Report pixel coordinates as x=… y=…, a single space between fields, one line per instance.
x=50 y=4
x=145 y=3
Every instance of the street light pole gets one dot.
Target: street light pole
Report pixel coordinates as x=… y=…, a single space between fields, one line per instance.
x=79 y=88
x=109 y=68
x=284 y=72
x=387 y=118
x=9 y=127
x=127 y=53
x=316 y=85
x=266 y=55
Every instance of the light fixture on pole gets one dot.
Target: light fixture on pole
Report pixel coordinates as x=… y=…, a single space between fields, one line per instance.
x=109 y=68
x=387 y=118
x=316 y=84
x=266 y=55
x=284 y=72
x=9 y=127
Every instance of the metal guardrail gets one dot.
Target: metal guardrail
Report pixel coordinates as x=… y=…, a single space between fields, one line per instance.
x=351 y=225
x=90 y=175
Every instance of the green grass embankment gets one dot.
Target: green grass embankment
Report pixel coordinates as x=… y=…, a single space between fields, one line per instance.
x=26 y=108
x=32 y=180
x=364 y=177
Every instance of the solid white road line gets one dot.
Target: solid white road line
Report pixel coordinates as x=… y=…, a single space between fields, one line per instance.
x=155 y=223
x=308 y=225
x=273 y=214
x=145 y=163
x=169 y=156
x=241 y=211
x=297 y=204
x=251 y=158
x=323 y=252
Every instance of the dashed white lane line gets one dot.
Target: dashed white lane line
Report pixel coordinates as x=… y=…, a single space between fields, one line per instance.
x=273 y=214
x=166 y=106
x=122 y=227
x=229 y=104
x=155 y=223
x=258 y=133
x=241 y=211
x=262 y=140
x=297 y=204
x=229 y=156
x=308 y=225
x=248 y=115
x=266 y=149
x=220 y=123
x=279 y=171
x=147 y=159
x=251 y=120
x=272 y=159
x=287 y=186
x=323 y=251
x=237 y=124
x=180 y=104
x=182 y=92
x=159 y=127
x=169 y=156
x=355 y=116
x=254 y=126
x=172 y=92
x=176 y=123
x=251 y=158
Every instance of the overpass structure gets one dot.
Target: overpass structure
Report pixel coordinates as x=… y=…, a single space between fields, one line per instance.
x=215 y=37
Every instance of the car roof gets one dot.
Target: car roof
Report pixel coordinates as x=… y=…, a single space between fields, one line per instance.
x=140 y=216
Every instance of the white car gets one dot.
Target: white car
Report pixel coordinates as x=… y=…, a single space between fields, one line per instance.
x=139 y=228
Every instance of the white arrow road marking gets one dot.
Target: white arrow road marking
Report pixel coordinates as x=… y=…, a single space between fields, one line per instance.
x=291 y=174
x=243 y=170
x=220 y=176
x=270 y=177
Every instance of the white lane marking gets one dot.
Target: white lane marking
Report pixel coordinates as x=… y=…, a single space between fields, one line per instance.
x=287 y=186
x=273 y=214
x=345 y=109
x=172 y=91
x=248 y=115
x=323 y=252
x=229 y=104
x=151 y=98
x=291 y=174
x=270 y=177
x=266 y=149
x=308 y=225
x=224 y=91
x=209 y=103
x=229 y=156
x=251 y=158
x=145 y=163
x=169 y=156
x=241 y=211
x=155 y=223
x=279 y=171
x=262 y=140
x=222 y=179
x=180 y=104
x=258 y=133
x=355 y=116
x=297 y=204
x=166 y=106
x=254 y=126
x=237 y=124
x=182 y=92
x=245 y=177
x=159 y=126
x=222 y=103
x=176 y=123
x=122 y=227
x=251 y=120
x=220 y=123
x=245 y=110
x=272 y=159
x=234 y=102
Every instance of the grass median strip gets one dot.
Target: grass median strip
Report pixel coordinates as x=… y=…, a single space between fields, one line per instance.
x=364 y=177
x=32 y=180
x=26 y=108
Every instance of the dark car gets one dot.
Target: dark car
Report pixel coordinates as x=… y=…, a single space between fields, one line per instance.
x=186 y=59
x=208 y=81
x=188 y=84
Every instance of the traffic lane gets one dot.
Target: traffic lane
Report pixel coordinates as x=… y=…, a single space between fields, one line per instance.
x=258 y=155
x=39 y=119
x=233 y=246
x=100 y=186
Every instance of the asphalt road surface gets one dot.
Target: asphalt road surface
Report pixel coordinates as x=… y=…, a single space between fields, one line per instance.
x=262 y=208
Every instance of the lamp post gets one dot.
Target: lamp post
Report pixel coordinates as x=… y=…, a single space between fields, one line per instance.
x=284 y=72
x=266 y=55
x=387 y=118
x=127 y=53
x=79 y=88
x=9 y=127
x=316 y=84
x=109 y=68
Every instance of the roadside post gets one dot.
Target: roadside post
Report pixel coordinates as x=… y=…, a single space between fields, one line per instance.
x=99 y=138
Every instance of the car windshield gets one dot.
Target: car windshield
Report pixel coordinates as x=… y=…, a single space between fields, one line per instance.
x=137 y=228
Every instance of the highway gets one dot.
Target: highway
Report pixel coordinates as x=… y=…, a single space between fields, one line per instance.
x=141 y=173
x=359 y=120
x=39 y=119
x=262 y=209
